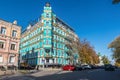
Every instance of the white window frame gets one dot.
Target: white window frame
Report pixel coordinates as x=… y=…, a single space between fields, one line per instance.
x=11 y=59
x=15 y=45
x=3 y=30
x=14 y=33
x=1 y=58
x=3 y=45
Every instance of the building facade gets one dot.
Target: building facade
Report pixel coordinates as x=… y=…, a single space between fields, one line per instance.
x=46 y=41
x=9 y=43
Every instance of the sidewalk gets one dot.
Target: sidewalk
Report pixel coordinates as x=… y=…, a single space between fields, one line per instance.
x=8 y=72
x=36 y=73
x=47 y=69
x=45 y=72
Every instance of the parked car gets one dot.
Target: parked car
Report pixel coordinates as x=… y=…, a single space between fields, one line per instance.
x=86 y=67
x=109 y=67
x=68 y=68
x=101 y=67
x=116 y=67
x=78 y=68
x=94 y=67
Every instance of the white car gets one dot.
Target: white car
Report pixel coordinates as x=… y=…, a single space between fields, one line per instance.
x=86 y=67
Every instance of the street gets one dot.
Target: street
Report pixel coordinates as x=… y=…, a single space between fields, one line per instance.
x=97 y=74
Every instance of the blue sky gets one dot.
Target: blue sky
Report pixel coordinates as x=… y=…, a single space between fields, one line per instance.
x=98 y=21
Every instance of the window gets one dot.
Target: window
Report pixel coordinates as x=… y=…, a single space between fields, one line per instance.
x=47 y=23
x=57 y=45
x=12 y=47
x=41 y=36
x=2 y=45
x=47 y=60
x=33 y=50
x=47 y=15
x=14 y=33
x=54 y=44
x=3 y=30
x=54 y=36
x=57 y=37
x=47 y=42
x=53 y=21
x=54 y=52
x=1 y=58
x=12 y=59
x=48 y=32
x=54 y=29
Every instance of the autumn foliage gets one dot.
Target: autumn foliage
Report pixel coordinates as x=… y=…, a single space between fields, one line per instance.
x=86 y=52
x=115 y=1
x=115 y=47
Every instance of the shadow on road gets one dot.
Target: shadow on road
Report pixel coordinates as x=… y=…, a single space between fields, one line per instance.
x=76 y=75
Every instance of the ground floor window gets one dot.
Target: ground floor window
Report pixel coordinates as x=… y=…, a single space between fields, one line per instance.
x=47 y=60
x=12 y=59
x=53 y=60
x=1 y=58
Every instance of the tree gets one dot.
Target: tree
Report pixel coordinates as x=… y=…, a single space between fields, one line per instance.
x=115 y=1
x=73 y=46
x=87 y=53
x=105 y=60
x=117 y=62
x=115 y=47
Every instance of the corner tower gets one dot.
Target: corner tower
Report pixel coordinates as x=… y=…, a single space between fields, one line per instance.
x=48 y=19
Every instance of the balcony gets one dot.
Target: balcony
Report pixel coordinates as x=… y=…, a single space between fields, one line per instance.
x=48 y=56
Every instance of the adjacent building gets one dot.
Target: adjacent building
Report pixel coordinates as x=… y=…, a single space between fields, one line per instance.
x=9 y=43
x=46 y=42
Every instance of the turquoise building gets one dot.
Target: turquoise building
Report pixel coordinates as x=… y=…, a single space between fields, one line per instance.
x=45 y=42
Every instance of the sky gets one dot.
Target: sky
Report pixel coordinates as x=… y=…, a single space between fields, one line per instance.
x=98 y=21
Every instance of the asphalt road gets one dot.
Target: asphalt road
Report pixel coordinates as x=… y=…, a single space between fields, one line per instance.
x=97 y=74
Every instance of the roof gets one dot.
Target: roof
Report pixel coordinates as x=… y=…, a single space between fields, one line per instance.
x=10 y=22
x=64 y=24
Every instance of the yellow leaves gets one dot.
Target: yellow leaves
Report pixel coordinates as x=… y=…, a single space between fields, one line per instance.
x=105 y=59
x=115 y=46
x=87 y=53
x=115 y=1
